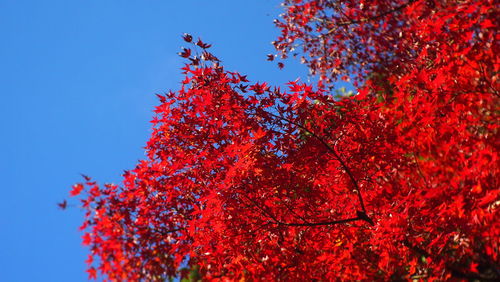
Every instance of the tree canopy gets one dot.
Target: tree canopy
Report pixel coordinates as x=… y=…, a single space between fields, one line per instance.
x=248 y=181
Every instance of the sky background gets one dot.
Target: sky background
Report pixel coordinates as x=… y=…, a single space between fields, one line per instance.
x=77 y=85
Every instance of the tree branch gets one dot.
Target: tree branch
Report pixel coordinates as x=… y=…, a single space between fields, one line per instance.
x=340 y=221
x=367 y=19
x=335 y=154
x=360 y=216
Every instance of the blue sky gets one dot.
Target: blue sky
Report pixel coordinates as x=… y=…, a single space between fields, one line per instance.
x=77 y=85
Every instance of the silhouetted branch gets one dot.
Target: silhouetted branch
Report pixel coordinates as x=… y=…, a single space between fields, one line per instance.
x=335 y=154
x=274 y=220
x=367 y=19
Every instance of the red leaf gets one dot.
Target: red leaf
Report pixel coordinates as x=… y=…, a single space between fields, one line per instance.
x=63 y=205
x=185 y=53
x=92 y=273
x=77 y=189
x=187 y=37
x=202 y=44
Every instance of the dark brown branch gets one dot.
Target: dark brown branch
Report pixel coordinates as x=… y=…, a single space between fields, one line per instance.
x=165 y=232
x=340 y=221
x=335 y=154
x=294 y=213
x=367 y=19
x=260 y=208
x=274 y=220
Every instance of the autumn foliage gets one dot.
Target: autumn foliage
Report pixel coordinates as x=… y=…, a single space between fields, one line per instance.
x=247 y=181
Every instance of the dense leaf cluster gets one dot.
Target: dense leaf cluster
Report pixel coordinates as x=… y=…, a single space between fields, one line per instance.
x=249 y=181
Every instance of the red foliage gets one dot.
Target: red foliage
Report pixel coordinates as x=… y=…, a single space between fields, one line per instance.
x=249 y=181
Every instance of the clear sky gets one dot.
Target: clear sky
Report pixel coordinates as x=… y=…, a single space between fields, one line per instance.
x=77 y=85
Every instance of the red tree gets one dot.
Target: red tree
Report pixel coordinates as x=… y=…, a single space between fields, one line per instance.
x=248 y=181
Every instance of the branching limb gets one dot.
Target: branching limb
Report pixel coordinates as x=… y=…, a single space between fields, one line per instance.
x=334 y=153
x=274 y=220
x=367 y=19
